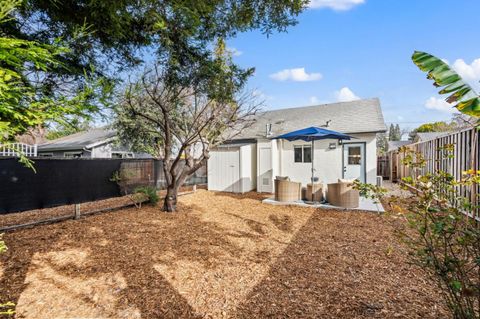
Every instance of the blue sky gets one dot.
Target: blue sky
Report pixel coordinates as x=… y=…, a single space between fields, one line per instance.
x=362 y=48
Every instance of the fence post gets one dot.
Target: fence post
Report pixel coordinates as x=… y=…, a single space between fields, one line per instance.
x=77 y=211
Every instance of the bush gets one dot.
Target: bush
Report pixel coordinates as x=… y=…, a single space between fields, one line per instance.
x=446 y=236
x=150 y=192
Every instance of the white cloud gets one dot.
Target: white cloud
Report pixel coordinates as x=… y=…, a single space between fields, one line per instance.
x=296 y=74
x=468 y=71
x=439 y=104
x=234 y=51
x=346 y=95
x=337 y=5
x=314 y=100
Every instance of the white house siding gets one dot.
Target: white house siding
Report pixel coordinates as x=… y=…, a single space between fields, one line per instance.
x=248 y=167
x=267 y=168
x=102 y=151
x=328 y=163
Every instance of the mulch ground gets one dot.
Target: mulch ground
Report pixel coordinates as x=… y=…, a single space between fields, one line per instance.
x=220 y=256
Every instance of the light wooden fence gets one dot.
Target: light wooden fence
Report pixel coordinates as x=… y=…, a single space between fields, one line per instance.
x=461 y=158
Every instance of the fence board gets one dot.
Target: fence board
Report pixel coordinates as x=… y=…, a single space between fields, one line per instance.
x=73 y=181
x=439 y=160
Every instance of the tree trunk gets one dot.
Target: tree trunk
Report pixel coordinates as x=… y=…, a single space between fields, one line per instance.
x=170 y=202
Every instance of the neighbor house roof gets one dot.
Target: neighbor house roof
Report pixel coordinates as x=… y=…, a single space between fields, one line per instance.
x=362 y=116
x=78 y=141
x=395 y=145
x=428 y=136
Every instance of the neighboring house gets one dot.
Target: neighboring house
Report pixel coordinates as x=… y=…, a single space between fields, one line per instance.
x=428 y=136
x=395 y=145
x=253 y=159
x=94 y=143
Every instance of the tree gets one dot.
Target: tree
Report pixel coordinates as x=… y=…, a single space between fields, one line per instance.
x=74 y=125
x=181 y=124
x=394 y=133
x=441 y=126
x=398 y=132
x=382 y=144
x=23 y=104
x=107 y=37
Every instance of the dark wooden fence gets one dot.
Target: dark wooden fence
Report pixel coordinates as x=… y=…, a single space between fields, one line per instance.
x=383 y=167
x=58 y=182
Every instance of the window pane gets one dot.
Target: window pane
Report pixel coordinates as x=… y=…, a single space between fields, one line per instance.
x=354 y=155
x=298 y=154
x=307 y=154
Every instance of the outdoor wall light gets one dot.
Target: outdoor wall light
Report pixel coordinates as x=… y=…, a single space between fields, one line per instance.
x=332 y=146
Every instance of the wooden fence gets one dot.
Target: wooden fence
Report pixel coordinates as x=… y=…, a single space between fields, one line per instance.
x=439 y=157
x=383 y=167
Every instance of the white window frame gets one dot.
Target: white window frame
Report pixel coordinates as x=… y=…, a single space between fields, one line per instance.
x=303 y=146
x=45 y=155
x=66 y=154
x=124 y=154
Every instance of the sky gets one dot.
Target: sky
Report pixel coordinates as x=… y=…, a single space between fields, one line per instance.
x=342 y=50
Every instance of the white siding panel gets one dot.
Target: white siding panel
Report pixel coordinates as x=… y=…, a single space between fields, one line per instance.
x=224 y=170
x=327 y=162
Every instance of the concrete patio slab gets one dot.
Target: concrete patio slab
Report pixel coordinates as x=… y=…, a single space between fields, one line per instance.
x=365 y=204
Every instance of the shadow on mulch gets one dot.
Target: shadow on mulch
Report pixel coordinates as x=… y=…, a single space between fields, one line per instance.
x=337 y=266
x=123 y=250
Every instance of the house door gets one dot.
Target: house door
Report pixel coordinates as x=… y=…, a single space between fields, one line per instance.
x=265 y=178
x=354 y=161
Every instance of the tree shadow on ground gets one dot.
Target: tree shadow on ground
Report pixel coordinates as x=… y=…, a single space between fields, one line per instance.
x=130 y=244
x=336 y=266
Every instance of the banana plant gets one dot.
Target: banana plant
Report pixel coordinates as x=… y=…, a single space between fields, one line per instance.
x=466 y=100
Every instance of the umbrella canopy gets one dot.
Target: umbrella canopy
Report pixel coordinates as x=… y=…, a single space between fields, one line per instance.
x=312 y=134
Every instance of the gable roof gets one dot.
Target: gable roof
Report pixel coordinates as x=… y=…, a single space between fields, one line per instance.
x=362 y=116
x=80 y=140
x=395 y=145
x=428 y=136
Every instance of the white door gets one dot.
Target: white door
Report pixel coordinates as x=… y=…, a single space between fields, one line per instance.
x=224 y=170
x=354 y=161
x=265 y=178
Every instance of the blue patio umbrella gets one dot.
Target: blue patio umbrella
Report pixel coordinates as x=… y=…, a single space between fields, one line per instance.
x=311 y=134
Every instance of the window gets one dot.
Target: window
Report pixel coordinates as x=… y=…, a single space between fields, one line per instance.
x=45 y=154
x=122 y=155
x=303 y=154
x=72 y=154
x=354 y=155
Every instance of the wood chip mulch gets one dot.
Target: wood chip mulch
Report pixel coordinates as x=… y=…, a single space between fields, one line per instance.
x=220 y=256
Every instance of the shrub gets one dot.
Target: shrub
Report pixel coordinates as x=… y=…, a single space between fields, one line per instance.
x=150 y=192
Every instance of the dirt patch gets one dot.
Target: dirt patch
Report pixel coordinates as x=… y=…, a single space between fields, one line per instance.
x=38 y=215
x=221 y=256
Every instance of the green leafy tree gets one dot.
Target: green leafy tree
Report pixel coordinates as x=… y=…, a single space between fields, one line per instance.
x=113 y=36
x=74 y=125
x=25 y=104
x=394 y=133
x=441 y=126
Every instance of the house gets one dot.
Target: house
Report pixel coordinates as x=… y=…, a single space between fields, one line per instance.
x=428 y=136
x=254 y=158
x=395 y=145
x=94 y=143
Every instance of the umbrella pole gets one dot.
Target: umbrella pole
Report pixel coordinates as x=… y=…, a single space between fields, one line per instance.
x=313 y=152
